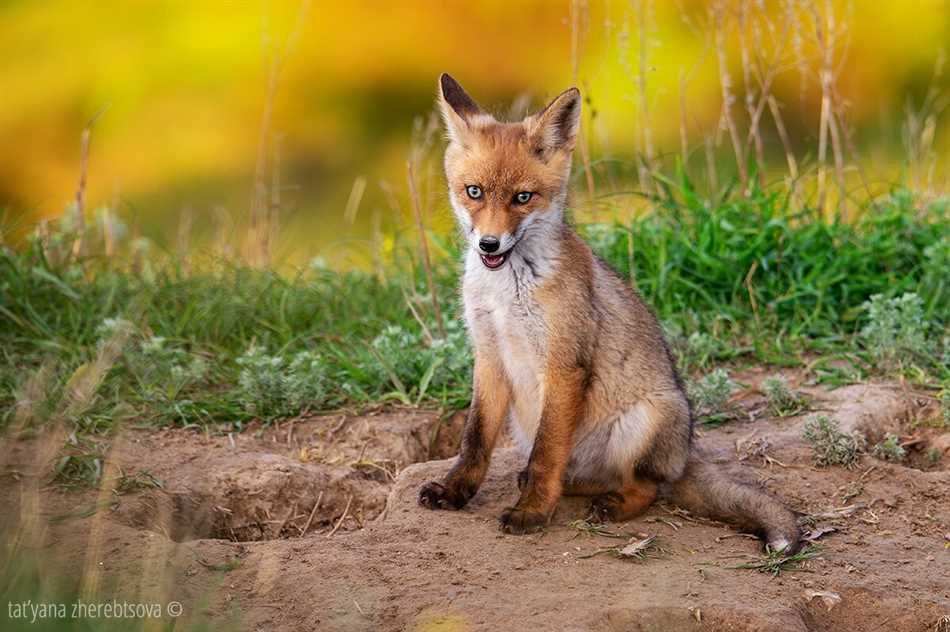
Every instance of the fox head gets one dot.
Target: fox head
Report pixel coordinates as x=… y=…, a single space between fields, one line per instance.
x=506 y=179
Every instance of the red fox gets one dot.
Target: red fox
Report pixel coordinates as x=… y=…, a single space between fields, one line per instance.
x=565 y=351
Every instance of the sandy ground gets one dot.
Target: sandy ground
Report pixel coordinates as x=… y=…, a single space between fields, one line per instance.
x=314 y=525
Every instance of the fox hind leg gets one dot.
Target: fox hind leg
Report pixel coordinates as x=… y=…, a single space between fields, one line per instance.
x=629 y=501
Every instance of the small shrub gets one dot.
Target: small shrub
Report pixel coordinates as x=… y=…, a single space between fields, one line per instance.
x=80 y=470
x=402 y=357
x=829 y=445
x=781 y=399
x=890 y=449
x=896 y=331
x=933 y=456
x=164 y=370
x=710 y=393
x=270 y=387
x=701 y=349
x=696 y=351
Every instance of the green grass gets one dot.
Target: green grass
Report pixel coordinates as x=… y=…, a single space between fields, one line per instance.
x=742 y=279
x=775 y=562
x=829 y=444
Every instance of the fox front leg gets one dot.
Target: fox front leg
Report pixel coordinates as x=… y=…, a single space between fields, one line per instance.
x=542 y=484
x=490 y=400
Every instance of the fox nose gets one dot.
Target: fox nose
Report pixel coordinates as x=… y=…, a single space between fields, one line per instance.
x=489 y=243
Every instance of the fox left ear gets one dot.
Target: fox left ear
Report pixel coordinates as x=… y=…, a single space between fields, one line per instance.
x=556 y=126
x=457 y=107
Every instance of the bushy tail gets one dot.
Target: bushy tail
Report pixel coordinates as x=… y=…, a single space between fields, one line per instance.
x=707 y=490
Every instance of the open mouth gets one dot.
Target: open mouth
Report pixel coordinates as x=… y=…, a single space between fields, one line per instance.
x=493 y=262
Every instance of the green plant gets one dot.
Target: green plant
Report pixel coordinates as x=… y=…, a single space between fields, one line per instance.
x=710 y=394
x=774 y=562
x=890 y=449
x=831 y=446
x=896 y=329
x=781 y=399
x=137 y=481
x=78 y=470
x=271 y=387
x=404 y=358
x=933 y=456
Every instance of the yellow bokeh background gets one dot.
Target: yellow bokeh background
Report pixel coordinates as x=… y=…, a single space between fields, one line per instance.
x=181 y=87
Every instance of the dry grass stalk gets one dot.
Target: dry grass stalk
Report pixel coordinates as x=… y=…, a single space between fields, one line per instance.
x=105 y=231
x=223 y=232
x=256 y=243
x=765 y=73
x=753 y=109
x=783 y=135
x=378 y=265
x=353 y=202
x=790 y=10
x=276 y=188
x=579 y=25
x=79 y=215
x=725 y=82
x=424 y=244
x=185 y=220
x=827 y=33
x=339 y=522
x=919 y=130
x=711 y=175
x=647 y=158
x=258 y=246
x=684 y=128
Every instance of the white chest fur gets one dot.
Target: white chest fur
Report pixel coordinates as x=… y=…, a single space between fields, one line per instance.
x=503 y=316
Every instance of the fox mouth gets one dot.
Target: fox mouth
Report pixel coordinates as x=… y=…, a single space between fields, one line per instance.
x=493 y=262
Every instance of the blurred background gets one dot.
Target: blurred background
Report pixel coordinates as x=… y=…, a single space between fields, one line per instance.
x=202 y=114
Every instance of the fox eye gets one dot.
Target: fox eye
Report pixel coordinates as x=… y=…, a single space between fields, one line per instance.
x=523 y=198
x=474 y=191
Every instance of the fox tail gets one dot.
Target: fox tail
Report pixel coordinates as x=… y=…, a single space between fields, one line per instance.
x=706 y=490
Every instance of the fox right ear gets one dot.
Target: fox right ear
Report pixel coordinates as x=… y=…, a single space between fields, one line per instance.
x=457 y=107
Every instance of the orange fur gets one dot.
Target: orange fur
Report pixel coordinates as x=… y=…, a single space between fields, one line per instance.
x=564 y=349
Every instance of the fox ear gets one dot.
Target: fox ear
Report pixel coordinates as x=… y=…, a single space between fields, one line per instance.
x=555 y=127
x=457 y=107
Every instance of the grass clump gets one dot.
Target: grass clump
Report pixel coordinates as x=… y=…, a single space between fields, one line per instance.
x=890 y=449
x=78 y=471
x=781 y=399
x=635 y=550
x=127 y=483
x=271 y=387
x=775 y=562
x=896 y=329
x=413 y=362
x=710 y=394
x=934 y=455
x=695 y=352
x=829 y=445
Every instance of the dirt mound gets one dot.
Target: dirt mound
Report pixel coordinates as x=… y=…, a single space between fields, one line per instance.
x=280 y=481
x=234 y=528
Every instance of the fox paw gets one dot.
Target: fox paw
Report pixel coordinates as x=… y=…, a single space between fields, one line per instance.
x=608 y=507
x=521 y=521
x=438 y=496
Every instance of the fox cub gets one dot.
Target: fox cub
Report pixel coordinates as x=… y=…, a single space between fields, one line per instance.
x=564 y=350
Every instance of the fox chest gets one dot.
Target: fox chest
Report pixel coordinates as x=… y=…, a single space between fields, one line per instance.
x=511 y=325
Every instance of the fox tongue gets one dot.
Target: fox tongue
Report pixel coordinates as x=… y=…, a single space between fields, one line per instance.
x=493 y=261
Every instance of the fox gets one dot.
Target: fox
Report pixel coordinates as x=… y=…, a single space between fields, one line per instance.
x=565 y=352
